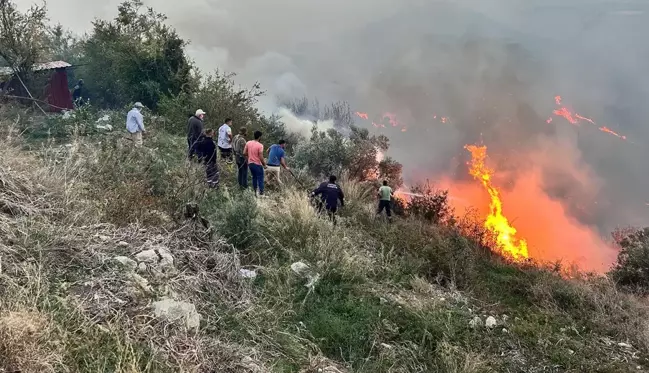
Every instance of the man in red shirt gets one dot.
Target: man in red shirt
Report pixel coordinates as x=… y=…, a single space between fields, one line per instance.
x=254 y=151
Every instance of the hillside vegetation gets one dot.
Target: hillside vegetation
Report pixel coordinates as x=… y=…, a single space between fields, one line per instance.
x=118 y=259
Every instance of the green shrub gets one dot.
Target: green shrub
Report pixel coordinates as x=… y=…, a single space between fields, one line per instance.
x=237 y=220
x=632 y=267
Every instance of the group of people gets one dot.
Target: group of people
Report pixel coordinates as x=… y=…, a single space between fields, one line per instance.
x=248 y=156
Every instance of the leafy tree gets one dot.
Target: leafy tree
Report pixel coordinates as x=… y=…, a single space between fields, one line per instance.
x=331 y=152
x=22 y=35
x=135 y=57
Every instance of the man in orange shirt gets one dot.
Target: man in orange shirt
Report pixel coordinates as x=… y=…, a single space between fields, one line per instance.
x=254 y=151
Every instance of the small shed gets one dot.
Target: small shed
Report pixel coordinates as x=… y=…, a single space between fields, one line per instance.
x=56 y=91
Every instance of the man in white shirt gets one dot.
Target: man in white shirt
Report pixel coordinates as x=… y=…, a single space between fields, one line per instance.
x=135 y=124
x=225 y=140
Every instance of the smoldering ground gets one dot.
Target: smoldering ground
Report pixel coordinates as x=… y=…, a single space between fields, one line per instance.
x=492 y=68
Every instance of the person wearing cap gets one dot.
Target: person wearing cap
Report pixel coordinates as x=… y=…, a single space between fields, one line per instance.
x=194 y=131
x=135 y=124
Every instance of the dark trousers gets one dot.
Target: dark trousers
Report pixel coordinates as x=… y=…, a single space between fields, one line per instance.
x=242 y=177
x=191 y=147
x=226 y=153
x=385 y=205
x=332 y=214
x=212 y=173
x=257 y=172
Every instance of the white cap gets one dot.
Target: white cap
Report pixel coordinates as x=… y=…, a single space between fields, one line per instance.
x=138 y=105
x=199 y=112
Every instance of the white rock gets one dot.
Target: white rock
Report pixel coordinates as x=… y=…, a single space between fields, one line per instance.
x=246 y=273
x=141 y=267
x=505 y=331
x=300 y=268
x=385 y=345
x=103 y=238
x=491 y=322
x=158 y=255
x=624 y=345
x=476 y=322
x=173 y=310
x=128 y=263
x=303 y=270
x=122 y=244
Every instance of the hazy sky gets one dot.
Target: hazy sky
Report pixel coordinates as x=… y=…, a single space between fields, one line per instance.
x=492 y=66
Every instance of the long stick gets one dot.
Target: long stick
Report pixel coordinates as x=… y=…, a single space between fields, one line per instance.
x=296 y=179
x=34 y=99
x=27 y=89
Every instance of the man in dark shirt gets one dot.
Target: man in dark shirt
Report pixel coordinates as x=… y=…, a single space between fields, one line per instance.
x=76 y=93
x=194 y=131
x=330 y=193
x=206 y=152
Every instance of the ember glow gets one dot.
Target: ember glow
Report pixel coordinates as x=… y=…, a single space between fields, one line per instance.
x=496 y=222
x=362 y=115
x=575 y=118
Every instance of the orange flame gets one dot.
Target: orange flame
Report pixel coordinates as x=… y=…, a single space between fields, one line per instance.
x=608 y=130
x=496 y=222
x=576 y=118
x=362 y=115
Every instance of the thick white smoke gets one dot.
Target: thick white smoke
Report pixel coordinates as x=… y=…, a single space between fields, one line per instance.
x=301 y=126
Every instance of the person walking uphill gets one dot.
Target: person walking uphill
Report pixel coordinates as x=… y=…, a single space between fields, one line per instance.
x=385 y=200
x=225 y=140
x=276 y=158
x=254 y=151
x=206 y=151
x=135 y=124
x=194 y=131
x=238 y=146
x=330 y=193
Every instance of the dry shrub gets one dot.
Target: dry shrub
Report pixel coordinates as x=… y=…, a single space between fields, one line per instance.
x=455 y=359
x=597 y=300
x=27 y=344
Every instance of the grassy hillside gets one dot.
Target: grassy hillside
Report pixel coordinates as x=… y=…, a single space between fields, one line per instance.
x=98 y=239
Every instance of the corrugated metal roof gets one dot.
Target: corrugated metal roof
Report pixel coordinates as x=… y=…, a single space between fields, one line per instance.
x=38 y=67
x=51 y=65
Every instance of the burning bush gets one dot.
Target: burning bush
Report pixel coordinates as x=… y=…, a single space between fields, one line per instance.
x=430 y=204
x=632 y=267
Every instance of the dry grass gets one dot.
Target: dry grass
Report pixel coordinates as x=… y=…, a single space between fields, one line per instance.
x=386 y=292
x=26 y=343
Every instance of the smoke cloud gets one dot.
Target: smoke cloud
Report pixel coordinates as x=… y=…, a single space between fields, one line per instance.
x=302 y=126
x=490 y=68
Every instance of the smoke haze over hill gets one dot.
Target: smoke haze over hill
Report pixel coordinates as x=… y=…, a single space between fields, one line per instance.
x=491 y=67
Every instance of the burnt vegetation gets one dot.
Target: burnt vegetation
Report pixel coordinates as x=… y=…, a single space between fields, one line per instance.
x=80 y=209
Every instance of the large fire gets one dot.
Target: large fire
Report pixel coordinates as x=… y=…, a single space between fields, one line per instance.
x=525 y=220
x=495 y=222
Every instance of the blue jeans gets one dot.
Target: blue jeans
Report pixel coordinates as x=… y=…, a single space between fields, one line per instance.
x=257 y=172
x=242 y=167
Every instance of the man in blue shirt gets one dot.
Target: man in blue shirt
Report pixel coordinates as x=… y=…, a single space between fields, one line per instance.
x=135 y=124
x=276 y=158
